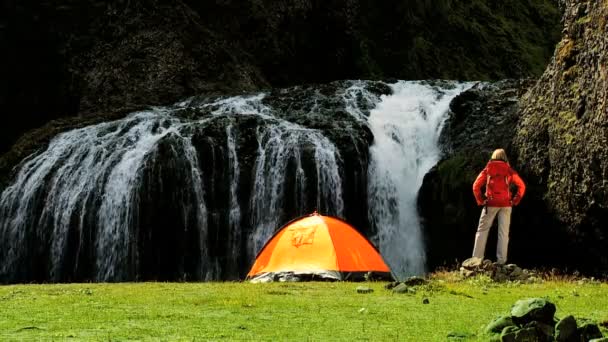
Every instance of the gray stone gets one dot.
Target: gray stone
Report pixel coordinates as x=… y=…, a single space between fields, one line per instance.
x=472 y=263
x=533 y=309
x=401 y=288
x=364 y=289
x=415 y=281
x=500 y=277
x=499 y=324
x=391 y=285
x=466 y=273
x=565 y=330
x=589 y=331
x=516 y=273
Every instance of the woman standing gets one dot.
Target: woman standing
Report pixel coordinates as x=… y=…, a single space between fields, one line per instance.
x=497 y=177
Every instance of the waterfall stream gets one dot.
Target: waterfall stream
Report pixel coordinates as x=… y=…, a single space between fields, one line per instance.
x=194 y=190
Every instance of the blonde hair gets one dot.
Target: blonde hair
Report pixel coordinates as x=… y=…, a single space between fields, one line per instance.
x=500 y=154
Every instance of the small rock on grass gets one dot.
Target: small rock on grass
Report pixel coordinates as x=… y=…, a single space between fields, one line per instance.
x=401 y=288
x=425 y=301
x=415 y=281
x=455 y=335
x=364 y=289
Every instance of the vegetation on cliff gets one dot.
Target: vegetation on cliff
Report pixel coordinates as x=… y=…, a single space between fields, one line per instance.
x=562 y=135
x=67 y=57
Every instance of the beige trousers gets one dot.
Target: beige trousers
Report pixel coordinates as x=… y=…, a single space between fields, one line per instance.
x=485 y=223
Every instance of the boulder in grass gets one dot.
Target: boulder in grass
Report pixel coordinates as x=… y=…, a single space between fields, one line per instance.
x=589 y=331
x=528 y=335
x=533 y=309
x=565 y=330
x=499 y=324
x=545 y=332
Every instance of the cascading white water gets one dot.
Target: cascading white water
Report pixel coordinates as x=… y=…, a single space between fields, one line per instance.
x=78 y=166
x=234 y=216
x=280 y=144
x=406 y=127
x=85 y=195
x=88 y=185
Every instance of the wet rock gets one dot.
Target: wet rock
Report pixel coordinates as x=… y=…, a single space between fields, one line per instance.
x=533 y=309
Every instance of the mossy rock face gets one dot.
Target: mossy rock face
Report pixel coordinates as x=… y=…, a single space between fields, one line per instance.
x=561 y=137
x=534 y=309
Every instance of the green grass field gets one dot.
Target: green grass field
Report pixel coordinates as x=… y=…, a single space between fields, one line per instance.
x=278 y=311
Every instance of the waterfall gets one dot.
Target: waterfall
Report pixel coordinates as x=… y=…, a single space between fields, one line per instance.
x=194 y=190
x=281 y=147
x=406 y=127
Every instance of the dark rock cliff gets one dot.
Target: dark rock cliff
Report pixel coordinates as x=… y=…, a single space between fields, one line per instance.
x=562 y=136
x=556 y=136
x=66 y=58
x=482 y=119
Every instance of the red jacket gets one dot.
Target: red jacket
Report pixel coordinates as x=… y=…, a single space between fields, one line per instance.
x=502 y=172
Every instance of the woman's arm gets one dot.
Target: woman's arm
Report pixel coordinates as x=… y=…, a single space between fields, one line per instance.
x=479 y=182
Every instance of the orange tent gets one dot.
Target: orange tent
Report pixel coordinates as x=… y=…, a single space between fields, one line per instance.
x=317 y=246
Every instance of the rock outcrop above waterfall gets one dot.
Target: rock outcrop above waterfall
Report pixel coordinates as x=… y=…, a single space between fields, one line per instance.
x=66 y=58
x=556 y=135
x=562 y=137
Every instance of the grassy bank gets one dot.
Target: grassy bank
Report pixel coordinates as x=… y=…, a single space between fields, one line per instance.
x=279 y=311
